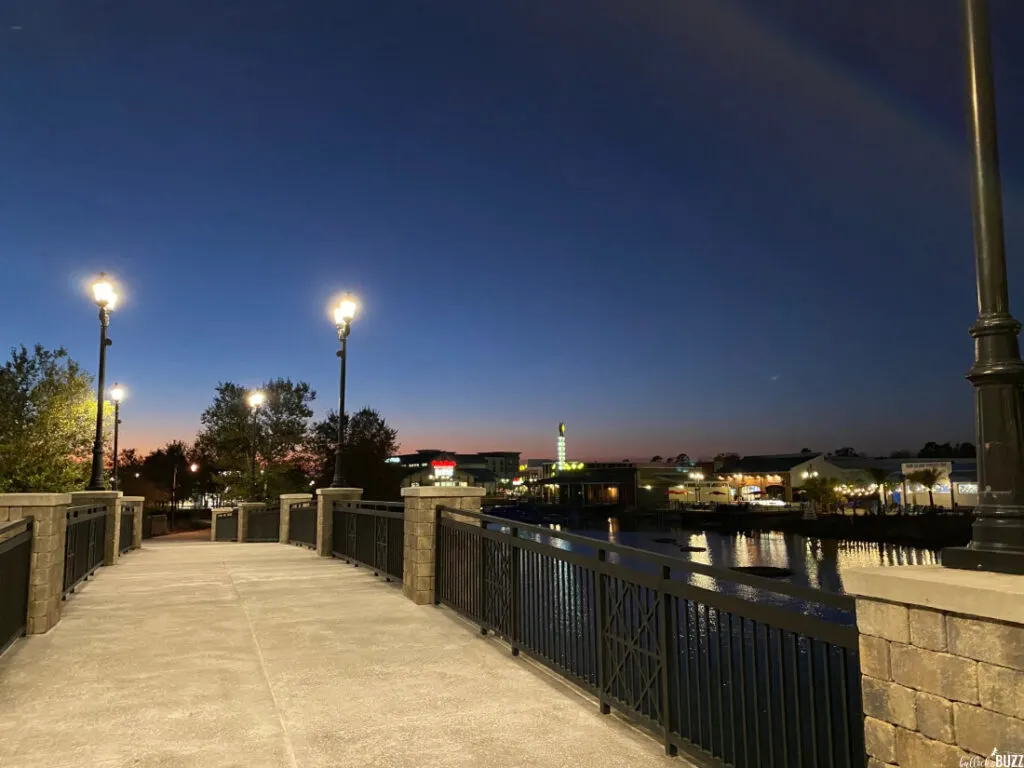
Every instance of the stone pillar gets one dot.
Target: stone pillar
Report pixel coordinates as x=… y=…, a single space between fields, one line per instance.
x=244 y=508
x=48 y=512
x=289 y=500
x=325 y=498
x=112 y=501
x=137 y=502
x=942 y=664
x=214 y=514
x=420 y=527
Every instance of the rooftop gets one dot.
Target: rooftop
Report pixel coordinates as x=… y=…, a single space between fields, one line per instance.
x=781 y=462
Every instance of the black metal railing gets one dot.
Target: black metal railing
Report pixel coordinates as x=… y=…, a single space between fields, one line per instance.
x=302 y=524
x=263 y=524
x=83 y=547
x=685 y=649
x=127 y=531
x=15 y=567
x=370 y=533
x=227 y=526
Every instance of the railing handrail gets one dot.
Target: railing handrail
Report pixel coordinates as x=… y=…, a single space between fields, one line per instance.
x=27 y=522
x=374 y=508
x=85 y=512
x=16 y=538
x=809 y=594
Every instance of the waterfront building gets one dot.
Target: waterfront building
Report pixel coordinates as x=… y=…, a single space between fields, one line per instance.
x=776 y=477
x=495 y=471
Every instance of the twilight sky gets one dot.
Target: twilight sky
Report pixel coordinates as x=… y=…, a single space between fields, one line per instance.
x=677 y=226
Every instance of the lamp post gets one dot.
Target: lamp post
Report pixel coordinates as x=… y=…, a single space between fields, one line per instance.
x=255 y=401
x=117 y=395
x=696 y=477
x=343 y=314
x=997 y=540
x=174 y=488
x=105 y=296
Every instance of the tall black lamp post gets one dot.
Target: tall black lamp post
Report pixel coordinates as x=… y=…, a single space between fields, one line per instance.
x=117 y=395
x=343 y=314
x=255 y=400
x=105 y=296
x=997 y=541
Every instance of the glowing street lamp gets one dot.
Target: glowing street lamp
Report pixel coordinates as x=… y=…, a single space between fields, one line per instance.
x=343 y=316
x=255 y=399
x=117 y=395
x=106 y=298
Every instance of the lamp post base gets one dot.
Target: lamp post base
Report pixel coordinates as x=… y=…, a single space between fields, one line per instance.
x=992 y=560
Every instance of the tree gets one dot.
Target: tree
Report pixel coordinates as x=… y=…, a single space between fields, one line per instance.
x=880 y=477
x=369 y=442
x=47 y=421
x=656 y=459
x=276 y=431
x=680 y=460
x=936 y=451
x=806 y=450
x=965 y=451
x=929 y=478
x=822 y=491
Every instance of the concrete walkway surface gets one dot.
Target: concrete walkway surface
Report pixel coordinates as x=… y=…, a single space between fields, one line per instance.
x=264 y=655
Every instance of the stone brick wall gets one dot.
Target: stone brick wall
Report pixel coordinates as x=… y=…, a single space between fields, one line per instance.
x=137 y=504
x=419 y=550
x=939 y=688
x=289 y=500
x=48 y=512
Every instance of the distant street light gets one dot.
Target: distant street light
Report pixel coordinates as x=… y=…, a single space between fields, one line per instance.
x=343 y=315
x=117 y=395
x=255 y=399
x=106 y=298
x=997 y=540
x=194 y=467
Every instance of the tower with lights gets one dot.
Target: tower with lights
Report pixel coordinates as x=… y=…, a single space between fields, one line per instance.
x=561 y=445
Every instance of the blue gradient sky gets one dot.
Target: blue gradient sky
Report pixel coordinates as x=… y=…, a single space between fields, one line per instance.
x=677 y=226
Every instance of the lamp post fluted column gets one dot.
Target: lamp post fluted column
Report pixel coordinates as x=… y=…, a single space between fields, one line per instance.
x=116 y=394
x=103 y=293
x=255 y=400
x=343 y=315
x=339 y=466
x=997 y=541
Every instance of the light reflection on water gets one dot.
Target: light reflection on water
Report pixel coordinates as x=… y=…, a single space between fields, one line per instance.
x=817 y=563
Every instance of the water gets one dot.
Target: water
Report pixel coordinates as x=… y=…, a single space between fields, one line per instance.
x=815 y=563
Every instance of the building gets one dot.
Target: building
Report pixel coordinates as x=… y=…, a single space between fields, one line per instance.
x=609 y=483
x=958 y=482
x=777 y=476
x=495 y=471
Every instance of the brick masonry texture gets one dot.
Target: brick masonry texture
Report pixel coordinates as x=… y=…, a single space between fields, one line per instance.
x=948 y=689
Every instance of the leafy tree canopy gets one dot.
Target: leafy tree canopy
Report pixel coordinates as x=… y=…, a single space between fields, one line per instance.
x=369 y=441
x=276 y=431
x=947 y=451
x=47 y=421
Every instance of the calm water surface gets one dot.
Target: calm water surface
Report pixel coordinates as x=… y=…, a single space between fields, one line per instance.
x=817 y=563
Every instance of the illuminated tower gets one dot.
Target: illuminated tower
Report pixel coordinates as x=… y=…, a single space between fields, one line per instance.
x=561 y=445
